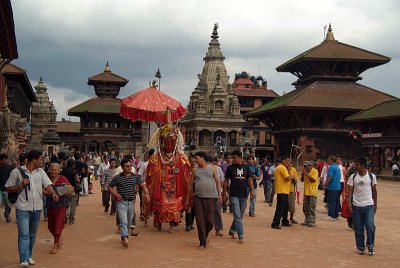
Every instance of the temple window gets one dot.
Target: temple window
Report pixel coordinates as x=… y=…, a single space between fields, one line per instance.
x=99 y=124
x=219 y=105
x=249 y=103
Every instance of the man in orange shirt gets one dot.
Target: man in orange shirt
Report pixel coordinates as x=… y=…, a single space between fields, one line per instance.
x=282 y=188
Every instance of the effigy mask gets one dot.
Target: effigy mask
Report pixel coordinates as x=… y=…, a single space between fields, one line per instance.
x=168 y=138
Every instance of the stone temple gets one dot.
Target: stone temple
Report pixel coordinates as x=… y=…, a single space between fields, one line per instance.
x=44 y=123
x=214 y=111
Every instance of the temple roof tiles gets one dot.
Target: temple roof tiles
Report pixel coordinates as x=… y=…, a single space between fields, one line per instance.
x=331 y=49
x=97 y=105
x=254 y=92
x=384 y=110
x=68 y=127
x=326 y=95
x=107 y=76
x=12 y=69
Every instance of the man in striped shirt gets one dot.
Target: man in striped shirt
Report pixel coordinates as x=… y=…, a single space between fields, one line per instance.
x=123 y=188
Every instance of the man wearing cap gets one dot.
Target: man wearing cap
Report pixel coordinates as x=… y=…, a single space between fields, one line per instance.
x=309 y=176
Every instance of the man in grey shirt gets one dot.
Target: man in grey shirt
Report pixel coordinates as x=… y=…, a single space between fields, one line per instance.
x=207 y=188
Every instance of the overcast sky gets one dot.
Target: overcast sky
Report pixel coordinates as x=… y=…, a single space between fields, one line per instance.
x=68 y=41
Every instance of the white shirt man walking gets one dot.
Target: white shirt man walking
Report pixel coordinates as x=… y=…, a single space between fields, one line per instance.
x=362 y=199
x=29 y=203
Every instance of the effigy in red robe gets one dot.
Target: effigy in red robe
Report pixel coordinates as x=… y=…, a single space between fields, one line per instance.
x=168 y=173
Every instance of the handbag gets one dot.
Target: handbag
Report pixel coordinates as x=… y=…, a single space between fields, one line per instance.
x=63 y=189
x=77 y=188
x=320 y=186
x=346 y=212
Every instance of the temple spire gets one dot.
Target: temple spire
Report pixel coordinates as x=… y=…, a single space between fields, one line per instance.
x=107 y=69
x=41 y=86
x=214 y=35
x=214 y=51
x=329 y=34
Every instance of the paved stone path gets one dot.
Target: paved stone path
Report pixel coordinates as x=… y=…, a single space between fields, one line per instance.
x=92 y=241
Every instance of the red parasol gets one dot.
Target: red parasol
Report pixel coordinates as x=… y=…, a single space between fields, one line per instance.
x=151 y=105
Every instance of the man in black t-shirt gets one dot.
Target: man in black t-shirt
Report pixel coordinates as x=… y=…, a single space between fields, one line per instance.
x=82 y=170
x=240 y=176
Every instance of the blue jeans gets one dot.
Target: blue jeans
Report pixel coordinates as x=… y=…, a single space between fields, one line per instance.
x=125 y=210
x=238 y=208
x=252 y=208
x=28 y=223
x=363 y=218
x=333 y=201
x=7 y=204
x=44 y=207
x=267 y=185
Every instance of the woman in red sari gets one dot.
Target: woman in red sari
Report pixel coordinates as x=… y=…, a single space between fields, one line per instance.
x=56 y=209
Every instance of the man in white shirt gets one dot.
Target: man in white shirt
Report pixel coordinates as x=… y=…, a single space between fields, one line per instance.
x=362 y=199
x=29 y=203
x=271 y=172
x=395 y=170
x=96 y=164
x=103 y=167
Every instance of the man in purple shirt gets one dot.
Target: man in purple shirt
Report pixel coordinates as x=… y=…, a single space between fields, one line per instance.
x=266 y=182
x=224 y=166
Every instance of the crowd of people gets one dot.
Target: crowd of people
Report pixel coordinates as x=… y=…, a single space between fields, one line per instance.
x=169 y=184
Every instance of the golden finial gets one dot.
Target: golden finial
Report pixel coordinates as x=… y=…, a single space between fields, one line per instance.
x=107 y=67
x=329 y=34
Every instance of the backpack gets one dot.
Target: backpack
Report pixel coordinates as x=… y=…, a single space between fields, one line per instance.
x=13 y=197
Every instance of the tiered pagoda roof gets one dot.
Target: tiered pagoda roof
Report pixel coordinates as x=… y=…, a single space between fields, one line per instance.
x=332 y=60
x=107 y=86
x=107 y=77
x=326 y=79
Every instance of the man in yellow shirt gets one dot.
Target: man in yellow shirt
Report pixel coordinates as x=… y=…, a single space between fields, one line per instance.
x=292 y=194
x=310 y=178
x=282 y=188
